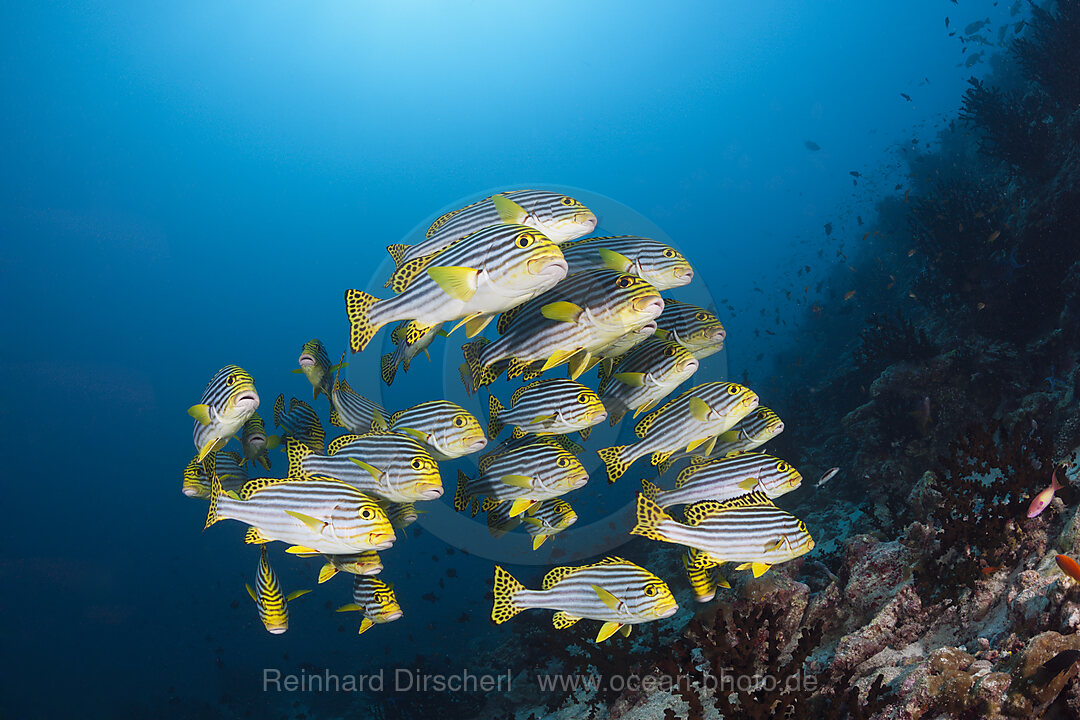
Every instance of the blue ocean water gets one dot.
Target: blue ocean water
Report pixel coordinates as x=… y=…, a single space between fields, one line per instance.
x=194 y=184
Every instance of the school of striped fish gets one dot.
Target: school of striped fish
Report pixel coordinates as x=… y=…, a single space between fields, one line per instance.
x=558 y=297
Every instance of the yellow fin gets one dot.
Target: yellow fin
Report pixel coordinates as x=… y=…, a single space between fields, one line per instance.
x=254 y=536
x=358 y=305
x=649 y=515
x=328 y=571
x=579 y=363
x=759 y=568
x=313 y=524
x=301 y=550
x=748 y=484
x=633 y=379
x=648 y=489
x=562 y=620
x=295 y=594
x=625 y=630
x=613 y=461
x=509 y=211
x=695 y=444
x=609 y=628
x=606 y=597
x=365 y=625
x=506 y=590
x=699 y=409
x=201 y=413
x=365 y=466
x=520 y=505
x=349 y=607
x=251 y=592
x=538 y=540
x=457 y=282
x=562 y=310
x=557 y=357
x=614 y=260
x=397 y=252
x=476 y=325
x=519 y=481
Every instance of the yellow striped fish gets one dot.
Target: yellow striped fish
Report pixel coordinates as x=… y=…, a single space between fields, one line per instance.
x=688 y=421
x=547 y=407
x=703 y=580
x=320 y=515
x=404 y=350
x=749 y=530
x=300 y=422
x=254 y=442
x=402 y=515
x=727 y=477
x=613 y=590
x=375 y=599
x=315 y=365
x=197 y=481
x=227 y=402
x=523 y=475
x=568 y=324
x=272 y=604
x=658 y=264
x=607 y=356
x=643 y=377
x=363 y=563
x=391 y=466
x=472 y=280
x=548 y=518
x=693 y=327
x=750 y=433
x=447 y=429
x=350 y=409
x=558 y=216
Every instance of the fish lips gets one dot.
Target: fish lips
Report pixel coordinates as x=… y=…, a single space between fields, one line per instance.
x=307 y=360
x=248 y=398
x=554 y=265
x=433 y=492
x=668 y=611
x=650 y=305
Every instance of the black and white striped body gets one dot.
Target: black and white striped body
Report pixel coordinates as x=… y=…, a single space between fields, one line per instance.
x=353 y=411
x=697 y=329
x=390 y=465
x=550 y=471
x=653 y=261
x=228 y=401
x=447 y=429
x=642 y=596
x=553 y=407
x=729 y=477
x=651 y=372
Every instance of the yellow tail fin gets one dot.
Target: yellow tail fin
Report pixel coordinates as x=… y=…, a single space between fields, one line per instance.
x=613 y=461
x=480 y=376
x=494 y=409
x=296 y=452
x=388 y=368
x=506 y=589
x=215 y=490
x=461 y=501
x=649 y=516
x=358 y=306
x=648 y=489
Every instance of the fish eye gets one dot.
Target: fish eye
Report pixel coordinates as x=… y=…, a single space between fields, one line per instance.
x=583 y=397
x=782 y=466
x=230 y=380
x=702 y=316
x=624 y=282
x=524 y=240
x=668 y=253
x=459 y=421
x=669 y=351
x=567 y=201
x=417 y=463
x=563 y=462
x=367 y=514
x=732 y=389
x=650 y=590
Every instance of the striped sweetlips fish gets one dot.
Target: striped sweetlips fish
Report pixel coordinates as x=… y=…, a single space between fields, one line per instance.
x=272 y=603
x=547 y=407
x=567 y=324
x=402 y=515
x=227 y=402
x=725 y=478
x=375 y=599
x=499 y=520
x=392 y=466
x=448 y=430
x=547 y=518
x=404 y=349
x=560 y=217
x=351 y=410
x=659 y=264
x=230 y=471
x=362 y=563
x=299 y=422
x=749 y=530
x=522 y=476
x=472 y=280
x=314 y=515
x=254 y=442
x=643 y=377
x=689 y=420
x=750 y=433
x=315 y=365
x=613 y=590
x=697 y=329
x=607 y=356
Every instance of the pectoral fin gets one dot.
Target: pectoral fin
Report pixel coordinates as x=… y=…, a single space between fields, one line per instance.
x=562 y=310
x=349 y=607
x=748 y=484
x=509 y=211
x=606 y=597
x=365 y=466
x=699 y=409
x=251 y=592
x=457 y=282
x=295 y=594
x=365 y=625
x=633 y=379
x=521 y=505
x=328 y=571
x=313 y=524
x=520 y=481
x=200 y=413
x=614 y=260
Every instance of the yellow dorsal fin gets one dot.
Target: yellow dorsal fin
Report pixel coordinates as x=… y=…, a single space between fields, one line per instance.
x=556 y=574
x=340 y=442
x=642 y=428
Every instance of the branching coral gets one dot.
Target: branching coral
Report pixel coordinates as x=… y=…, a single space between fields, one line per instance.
x=985 y=478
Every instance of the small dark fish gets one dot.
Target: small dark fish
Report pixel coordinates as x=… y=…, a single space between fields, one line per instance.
x=828 y=229
x=430 y=597
x=976 y=26
x=906 y=96
x=1056 y=665
x=811 y=145
x=464 y=617
x=854 y=173
x=946 y=22
x=829 y=475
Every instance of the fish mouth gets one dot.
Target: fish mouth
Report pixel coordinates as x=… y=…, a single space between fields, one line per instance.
x=431 y=492
x=668 y=611
x=651 y=305
x=684 y=273
x=307 y=360
x=548 y=265
x=691 y=364
x=717 y=334
x=191 y=491
x=276 y=630
x=750 y=400
x=380 y=540
x=474 y=443
x=586 y=220
x=249 y=397
x=392 y=616
x=580 y=482
x=598 y=417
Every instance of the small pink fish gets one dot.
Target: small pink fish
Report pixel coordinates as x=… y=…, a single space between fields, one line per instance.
x=1045 y=497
